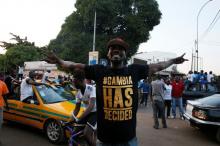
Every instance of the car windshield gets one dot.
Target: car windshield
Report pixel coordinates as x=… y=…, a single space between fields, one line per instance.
x=68 y=87
x=213 y=100
x=48 y=95
x=62 y=92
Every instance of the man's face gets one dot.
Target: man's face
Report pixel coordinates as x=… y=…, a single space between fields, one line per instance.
x=177 y=79
x=168 y=82
x=116 y=54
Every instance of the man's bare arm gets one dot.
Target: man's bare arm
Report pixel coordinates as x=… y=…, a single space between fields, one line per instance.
x=162 y=65
x=32 y=82
x=88 y=109
x=67 y=65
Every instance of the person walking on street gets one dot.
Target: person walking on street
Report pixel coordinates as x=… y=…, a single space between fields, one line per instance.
x=3 y=101
x=145 y=88
x=167 y=98
x=177 y=92
x=116 y=91
x=157 y=98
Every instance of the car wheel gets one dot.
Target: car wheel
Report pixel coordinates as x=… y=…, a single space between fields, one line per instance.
x=54 y=132
x=218 y=135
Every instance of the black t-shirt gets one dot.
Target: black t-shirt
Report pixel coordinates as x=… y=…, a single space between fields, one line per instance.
x=117 y=100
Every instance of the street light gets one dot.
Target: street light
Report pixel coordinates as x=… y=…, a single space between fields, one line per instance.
x=197 y=34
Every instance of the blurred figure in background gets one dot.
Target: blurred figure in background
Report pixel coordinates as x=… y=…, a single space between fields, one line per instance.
x=177 y=92
x=168 y=97
x=145 y=89
x=189 y=81
x=210 y=79
x=45 y=77
x=59 y=80
x=20 y=72
x=157 y=98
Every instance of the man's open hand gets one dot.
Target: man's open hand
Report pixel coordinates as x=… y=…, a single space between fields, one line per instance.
x=179 y=59
x=50 y=56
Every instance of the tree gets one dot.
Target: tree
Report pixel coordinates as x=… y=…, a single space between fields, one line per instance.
x=17 y=53
x=131 y=20
x=2 y=63
x=16 y=56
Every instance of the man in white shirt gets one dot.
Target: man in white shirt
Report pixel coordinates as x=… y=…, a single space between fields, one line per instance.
x=210 y=78
x=20 y=72
x=87 y=95
x=167 y=97
x=26 y=87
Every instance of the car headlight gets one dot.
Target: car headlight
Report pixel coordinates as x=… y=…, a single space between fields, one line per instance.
x=189 y=109
x=201 y=114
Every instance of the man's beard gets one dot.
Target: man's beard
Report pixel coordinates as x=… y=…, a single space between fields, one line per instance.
x=117 y=59
x=116 y=62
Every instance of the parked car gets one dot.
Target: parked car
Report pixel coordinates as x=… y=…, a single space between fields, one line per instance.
x=44 y=111
x=205 y=113
x=193 y=93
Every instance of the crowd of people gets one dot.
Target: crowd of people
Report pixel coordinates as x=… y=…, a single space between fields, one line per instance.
x=199 y=81
x=166 y=93
x=116 y=92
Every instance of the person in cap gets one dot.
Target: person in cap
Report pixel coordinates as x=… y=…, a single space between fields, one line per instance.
x=116 y=91
x=26 y=87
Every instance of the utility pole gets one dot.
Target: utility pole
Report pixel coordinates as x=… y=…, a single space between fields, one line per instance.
x=192 y=61
x=197 y=33
x=93 y=48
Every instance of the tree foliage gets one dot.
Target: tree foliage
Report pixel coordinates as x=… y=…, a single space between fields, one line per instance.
x=17 y=53
x=131 y=20
x=21 y=53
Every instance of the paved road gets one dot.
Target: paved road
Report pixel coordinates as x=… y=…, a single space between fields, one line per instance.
x=178 y=133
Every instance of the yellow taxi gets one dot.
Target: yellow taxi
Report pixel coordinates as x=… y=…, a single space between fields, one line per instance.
x=44 y=111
